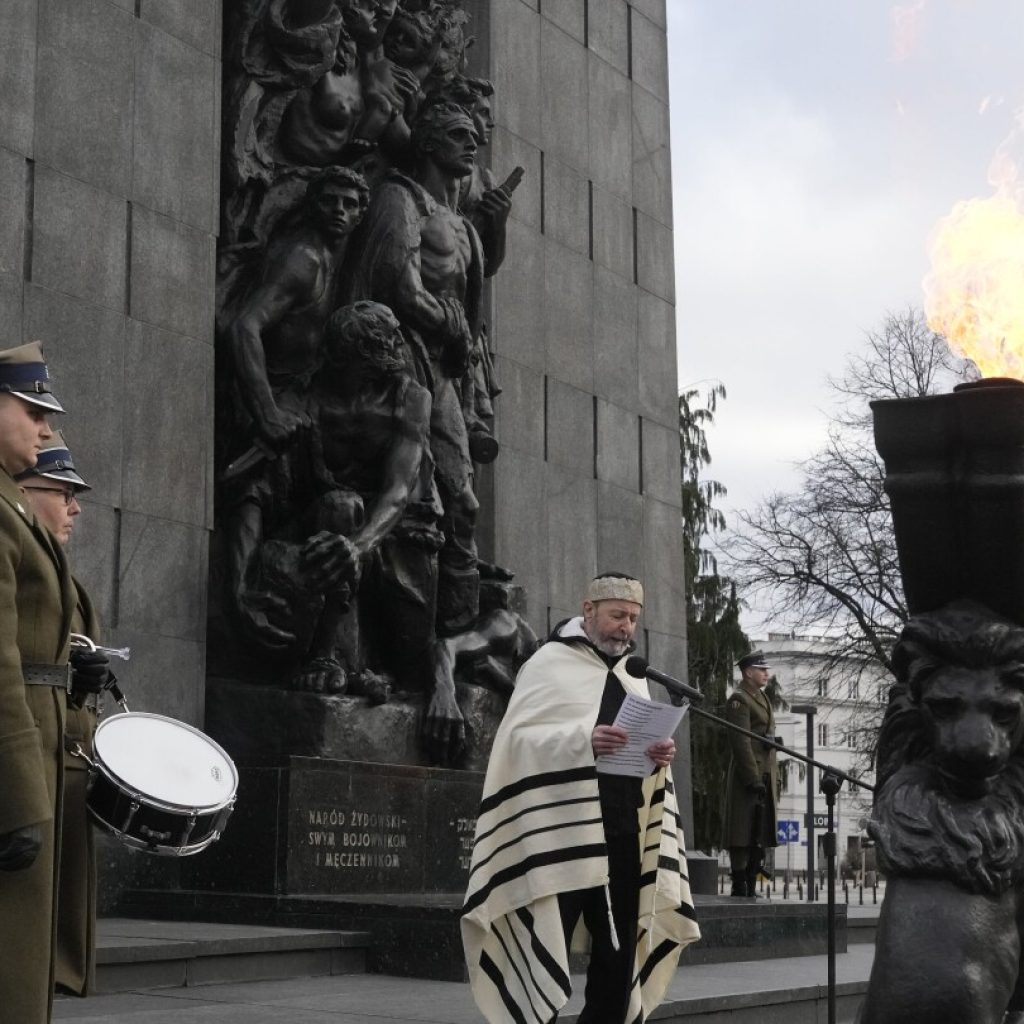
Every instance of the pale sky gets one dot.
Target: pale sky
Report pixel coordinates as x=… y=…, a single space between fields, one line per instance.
x=815 y=145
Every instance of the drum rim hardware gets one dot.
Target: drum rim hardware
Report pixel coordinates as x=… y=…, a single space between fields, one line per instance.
x=216 y=814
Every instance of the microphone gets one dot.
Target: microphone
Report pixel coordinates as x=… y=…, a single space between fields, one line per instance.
x=637 y=667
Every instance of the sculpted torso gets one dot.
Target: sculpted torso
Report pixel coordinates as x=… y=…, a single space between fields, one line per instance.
x=445 y=254
x=291 y=343
x=357 y=435
x=321 y=121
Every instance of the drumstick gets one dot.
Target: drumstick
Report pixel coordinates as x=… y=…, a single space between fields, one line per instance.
x=124 y=653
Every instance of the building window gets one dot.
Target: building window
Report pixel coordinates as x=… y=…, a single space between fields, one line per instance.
x=822 y=735
x=853 y=689
x=822 y=687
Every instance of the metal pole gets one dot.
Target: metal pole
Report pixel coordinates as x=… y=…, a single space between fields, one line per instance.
x=810 y=711
x=830 y=786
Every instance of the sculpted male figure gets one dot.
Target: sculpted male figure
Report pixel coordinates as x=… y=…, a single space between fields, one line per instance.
x=487 y=203
x=371 y=429
x=423 y=258
x=371 y=469
x=273 y=331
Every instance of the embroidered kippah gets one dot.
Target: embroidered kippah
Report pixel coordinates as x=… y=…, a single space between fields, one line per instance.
x=615 y=588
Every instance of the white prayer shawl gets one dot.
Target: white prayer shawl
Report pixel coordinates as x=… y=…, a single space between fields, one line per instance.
x=539 y=833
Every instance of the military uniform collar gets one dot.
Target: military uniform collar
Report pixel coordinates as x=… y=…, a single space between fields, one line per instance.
x=11 y=493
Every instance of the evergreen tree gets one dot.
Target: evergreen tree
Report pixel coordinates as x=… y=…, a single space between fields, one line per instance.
x=713 y=634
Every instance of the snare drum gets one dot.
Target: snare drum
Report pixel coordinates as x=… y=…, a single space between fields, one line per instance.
x=160 y=785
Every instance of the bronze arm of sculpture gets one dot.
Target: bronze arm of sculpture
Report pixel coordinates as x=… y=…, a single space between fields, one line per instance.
x=281 y=290
x=442 y=317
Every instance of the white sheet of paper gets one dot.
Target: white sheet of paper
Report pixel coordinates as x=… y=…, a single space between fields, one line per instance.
x=646 y=722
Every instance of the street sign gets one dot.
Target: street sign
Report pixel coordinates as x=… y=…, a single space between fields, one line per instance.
x=820 y=820
x=787 y=832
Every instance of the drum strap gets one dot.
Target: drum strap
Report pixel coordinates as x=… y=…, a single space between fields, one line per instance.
x=46 y=675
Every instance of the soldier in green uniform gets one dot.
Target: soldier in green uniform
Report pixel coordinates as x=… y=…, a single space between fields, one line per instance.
x=37 y=602
x=52 y=488
x=752 y=787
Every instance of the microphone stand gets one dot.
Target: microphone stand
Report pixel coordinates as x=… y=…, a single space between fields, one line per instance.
x=831 y=780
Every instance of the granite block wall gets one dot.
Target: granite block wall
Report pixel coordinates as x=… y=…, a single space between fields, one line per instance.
x=583 y=311
x=109 y=131
x=109 y=125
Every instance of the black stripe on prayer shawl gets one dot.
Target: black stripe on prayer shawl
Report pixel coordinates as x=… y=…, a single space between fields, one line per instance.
x=536 y=782
x=668 y=822
x=490 y=968
x=528 y=864
x=533 y=832
x=526 y=965
x=670 y=863
x=534 y=809
x=662 y=950
x=690 y=913
x=543 y=954
x=533 y=986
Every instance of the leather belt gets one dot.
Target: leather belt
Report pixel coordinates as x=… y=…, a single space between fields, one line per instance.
x=46 y=675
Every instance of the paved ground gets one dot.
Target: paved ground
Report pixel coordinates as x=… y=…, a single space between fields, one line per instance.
x=376 y=999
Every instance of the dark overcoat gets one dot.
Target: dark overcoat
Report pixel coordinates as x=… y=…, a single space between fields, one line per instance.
x=747 y=822
x=36 y=604
x=76 y=903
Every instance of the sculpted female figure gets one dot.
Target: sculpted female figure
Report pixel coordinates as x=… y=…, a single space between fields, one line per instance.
x=307 y=87
x=354 y=103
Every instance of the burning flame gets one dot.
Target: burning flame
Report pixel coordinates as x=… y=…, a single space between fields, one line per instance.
x=974 y=293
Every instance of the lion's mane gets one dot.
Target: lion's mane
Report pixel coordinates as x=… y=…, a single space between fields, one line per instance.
x=923 y=829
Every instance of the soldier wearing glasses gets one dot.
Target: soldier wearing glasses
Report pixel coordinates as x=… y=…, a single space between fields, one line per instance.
x=52 y=488
x=37 y=602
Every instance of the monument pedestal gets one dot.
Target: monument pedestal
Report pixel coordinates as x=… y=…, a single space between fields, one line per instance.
x=310 y=825
x=265 y=725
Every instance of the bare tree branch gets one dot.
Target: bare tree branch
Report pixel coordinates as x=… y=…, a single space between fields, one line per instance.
x=823 y=559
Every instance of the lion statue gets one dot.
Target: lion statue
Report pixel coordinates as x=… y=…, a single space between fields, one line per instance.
x=949 y=824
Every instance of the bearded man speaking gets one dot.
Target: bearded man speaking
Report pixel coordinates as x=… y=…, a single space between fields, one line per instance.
x=557 y=841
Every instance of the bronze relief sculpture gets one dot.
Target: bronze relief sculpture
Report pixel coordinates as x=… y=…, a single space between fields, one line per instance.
x=355 y=380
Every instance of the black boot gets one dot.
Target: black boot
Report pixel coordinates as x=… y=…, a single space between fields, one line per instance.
x=739 y=884
x=752 y=882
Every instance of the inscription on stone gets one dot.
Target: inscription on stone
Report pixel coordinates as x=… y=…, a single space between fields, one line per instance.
x=465 y=829
x=354 y=839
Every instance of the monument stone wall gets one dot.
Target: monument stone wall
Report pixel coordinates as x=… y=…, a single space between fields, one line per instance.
x=109 y=170
x=109 y=129
x=584 y=310
x=584 y=317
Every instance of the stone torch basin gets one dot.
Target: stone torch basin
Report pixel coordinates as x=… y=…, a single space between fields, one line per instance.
x=955 y=480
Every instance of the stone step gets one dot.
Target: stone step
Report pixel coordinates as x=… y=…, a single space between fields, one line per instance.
x=419 y=936
x=861 y=924
x=138 y=953
x=777 y=991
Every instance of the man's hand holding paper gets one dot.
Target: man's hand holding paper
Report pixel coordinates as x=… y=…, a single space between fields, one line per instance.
x=640 y=740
